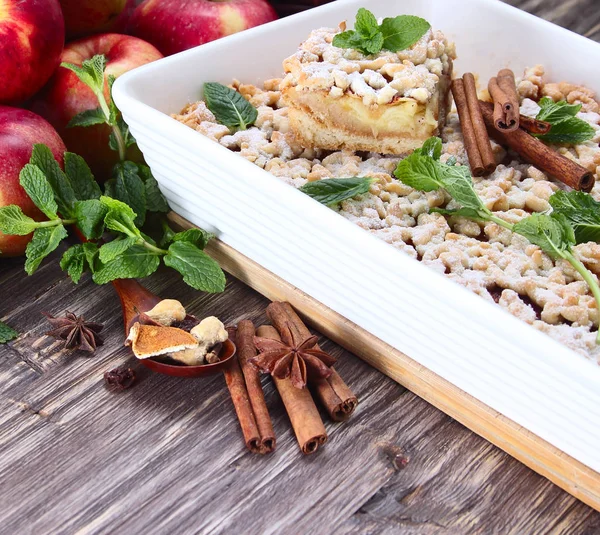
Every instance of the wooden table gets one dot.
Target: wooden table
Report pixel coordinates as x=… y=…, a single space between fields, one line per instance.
x=166 y=456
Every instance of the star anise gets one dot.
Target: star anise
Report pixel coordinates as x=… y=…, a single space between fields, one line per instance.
x=292 y=357
x=77 y=333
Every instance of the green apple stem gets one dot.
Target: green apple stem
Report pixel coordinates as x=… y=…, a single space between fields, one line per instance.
x=587 y=277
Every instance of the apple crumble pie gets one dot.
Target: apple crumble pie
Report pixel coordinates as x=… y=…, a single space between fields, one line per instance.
x=497 y=264
x=389 y=102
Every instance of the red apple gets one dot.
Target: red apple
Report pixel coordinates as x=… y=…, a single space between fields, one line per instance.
x=32 y=35
x=65 y=95
x=176 y=25
x=86 y=17
x=19 y=131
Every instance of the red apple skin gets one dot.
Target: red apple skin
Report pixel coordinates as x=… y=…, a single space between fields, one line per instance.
x=32 y=37
x=65 y=96
x=19 y=131
x=88 y=17
x=176 y=25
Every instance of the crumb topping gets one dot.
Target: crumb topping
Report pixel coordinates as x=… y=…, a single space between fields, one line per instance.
x=379 y=78
x=490 y=261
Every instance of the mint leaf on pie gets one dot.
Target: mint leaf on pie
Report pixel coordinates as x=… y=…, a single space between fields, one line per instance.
x=419 y=171
x=14 y=221
x=582 y=212
x=136 y=262
x=457 y=181
x=402 y=32
x=44 y=241
x=552 y=233
x=469 y=213
x=199 y=270
x=335 y=190
x=7 y=333
x=566 y=127
x=394 y=34
x=228 y=106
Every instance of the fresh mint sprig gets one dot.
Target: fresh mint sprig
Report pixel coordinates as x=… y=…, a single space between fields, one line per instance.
x=566 y=127
x=7 y=333
x=394 y=34
x=128 y=253
x=228 y=106
x=582 y=213
x=335 y=190
x=553 y=233
x=130 y=182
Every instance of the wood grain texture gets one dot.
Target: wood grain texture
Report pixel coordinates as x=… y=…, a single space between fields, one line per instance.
x=167 y=456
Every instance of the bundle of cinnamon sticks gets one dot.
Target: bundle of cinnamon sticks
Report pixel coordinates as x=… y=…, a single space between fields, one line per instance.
x=503 y=122
x=243 y=381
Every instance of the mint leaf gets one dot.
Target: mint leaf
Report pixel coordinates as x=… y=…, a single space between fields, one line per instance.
x=335 y=190
x=199 y=270
x=552 y=233
x=91 y=72
x=554 y=112
x=168 y=234
x=90 y=250
x=458 y=183
x=88 y=118
x=366 y=23
x=109 y=188
x=432 y=147
x=566 y=127
x=155 y=200
x=34 y=182
x=90 y=216
x=130 y=189
x=228 y=106
x=120 y=217
x=400 y=33
x=44 y=241
x=13 y=221
x=73 y=262
x=136 y=262
x=195 y=236
x=419 y=172
x=581 y=211
x=7 y=333
x=572 y=131
x=64 y=195
x=374 y=44
x=109 y=251
x=80 y=177
x=114 y=111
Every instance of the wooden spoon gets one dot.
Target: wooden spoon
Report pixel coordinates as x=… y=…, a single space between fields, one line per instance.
x=135 y=299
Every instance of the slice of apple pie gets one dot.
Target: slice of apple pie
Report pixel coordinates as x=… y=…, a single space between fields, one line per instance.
x=389 y=102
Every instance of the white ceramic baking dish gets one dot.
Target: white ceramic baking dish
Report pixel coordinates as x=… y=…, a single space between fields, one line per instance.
x=476 y=345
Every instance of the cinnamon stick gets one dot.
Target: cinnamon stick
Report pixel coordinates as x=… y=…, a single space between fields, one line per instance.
x=534 y=126
x=534 y=151
x=333 y=393
x=481 y=135
x=503 y=91
x=246 y=350
x=470 y=138
x=302 y=411
x=236 y=383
